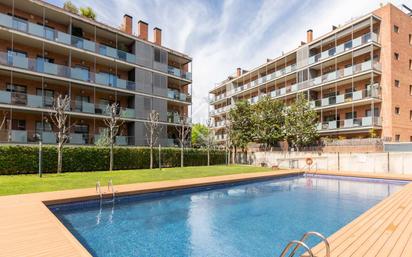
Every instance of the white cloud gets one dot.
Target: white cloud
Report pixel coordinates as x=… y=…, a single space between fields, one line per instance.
x=221 y=36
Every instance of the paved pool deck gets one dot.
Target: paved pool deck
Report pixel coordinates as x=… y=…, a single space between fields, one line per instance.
x=29 y=228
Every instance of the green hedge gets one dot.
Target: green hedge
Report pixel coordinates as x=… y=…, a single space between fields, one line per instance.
x=24 y=159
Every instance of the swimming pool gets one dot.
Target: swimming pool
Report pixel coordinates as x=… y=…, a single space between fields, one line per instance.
x=257 y=218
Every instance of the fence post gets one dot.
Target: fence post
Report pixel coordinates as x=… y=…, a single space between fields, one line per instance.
x=40 y=158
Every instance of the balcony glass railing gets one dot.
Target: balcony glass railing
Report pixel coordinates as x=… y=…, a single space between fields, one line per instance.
x=221 y=110
x=220 y=123
x=364 y=39
x=79 y=74
x=217 y=97
x=177 y=95
x=36 y=101
x=67 y=39
x=220 y=137
x=373 y=92
x=363 y=122
x=263 y=79
x=49 y=137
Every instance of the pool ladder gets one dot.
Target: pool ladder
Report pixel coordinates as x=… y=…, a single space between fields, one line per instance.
x=301 y=243
x=110 y=187
x=98 y=189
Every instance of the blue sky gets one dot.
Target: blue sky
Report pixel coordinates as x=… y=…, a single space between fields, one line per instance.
x=223 y=35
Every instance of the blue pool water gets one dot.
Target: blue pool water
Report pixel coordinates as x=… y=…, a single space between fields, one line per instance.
x=249 y=219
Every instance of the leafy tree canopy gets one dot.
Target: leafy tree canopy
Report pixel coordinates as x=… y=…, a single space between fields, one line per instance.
x=300 y=123
x=268 y=117
x=199 y=134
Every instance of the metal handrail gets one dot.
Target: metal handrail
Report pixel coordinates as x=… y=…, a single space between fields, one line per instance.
x=98 y=189
x=313 y=233
x=111 y=187
x=298 y=245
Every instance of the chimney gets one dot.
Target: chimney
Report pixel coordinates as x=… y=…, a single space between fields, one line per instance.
x=309 y=36
x=127 y=25
x=142 y=30
x=157 y=36
x=238 y=72
x=334 y=27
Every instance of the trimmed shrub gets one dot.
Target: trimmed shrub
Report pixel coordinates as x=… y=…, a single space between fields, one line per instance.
x=17 y=159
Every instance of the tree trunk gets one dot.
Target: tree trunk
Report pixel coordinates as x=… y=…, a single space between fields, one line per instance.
x=111 y=156
x=151 y=156
x=181 y=156
x=208 y=156
x=59 y=158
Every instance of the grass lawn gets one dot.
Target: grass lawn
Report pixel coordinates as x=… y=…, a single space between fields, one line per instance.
x=20 y=184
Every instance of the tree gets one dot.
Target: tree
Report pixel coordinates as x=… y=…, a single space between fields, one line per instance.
x=60 y=120
x=88 y=12
x=69 y=6
x=269 y=119
x=183 y=130
x=104 y=138
x=152 y=134
x=209 y=139
x=300 y=123
x=3 y=119
x=241 y=128
x=113 y=124
x=199 y=132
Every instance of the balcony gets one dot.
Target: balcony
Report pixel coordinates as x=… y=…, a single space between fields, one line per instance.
x=263 y=79
x=349 y=124
x=83 y=75
x=326 y=78
x=177 y=95
x=220 y=110
x=70 y=40
x=173 y=117
x=373 y=92
x=362 y=40
x=36 y=101
x=221 y=123
x=64 y=38
x=220 y=137
x=217 y=98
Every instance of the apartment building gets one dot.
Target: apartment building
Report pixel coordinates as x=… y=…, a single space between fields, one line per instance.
x=46 y=51
x=358 y=77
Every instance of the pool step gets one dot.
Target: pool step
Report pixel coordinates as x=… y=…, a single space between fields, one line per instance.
x=301 y=243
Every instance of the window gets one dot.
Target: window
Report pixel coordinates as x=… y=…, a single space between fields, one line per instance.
x=350 y=115
x=410 y=115
x=18 y=124
x=410 y=138
x=368 y=113
x=410 y=39
x=397 y=138
x=48 y=96
x=20 y=23
x=410 y=64
x=397 y=83
x=18 y=94
x=395 y=29
x=410 y=89
x=397 y=110
x=396 y=55
x=81 y=103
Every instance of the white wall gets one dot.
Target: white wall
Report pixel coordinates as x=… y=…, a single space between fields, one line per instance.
x=394 y=162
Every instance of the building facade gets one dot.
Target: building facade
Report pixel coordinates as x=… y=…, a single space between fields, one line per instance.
x=46 y=51
x=358 y=77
